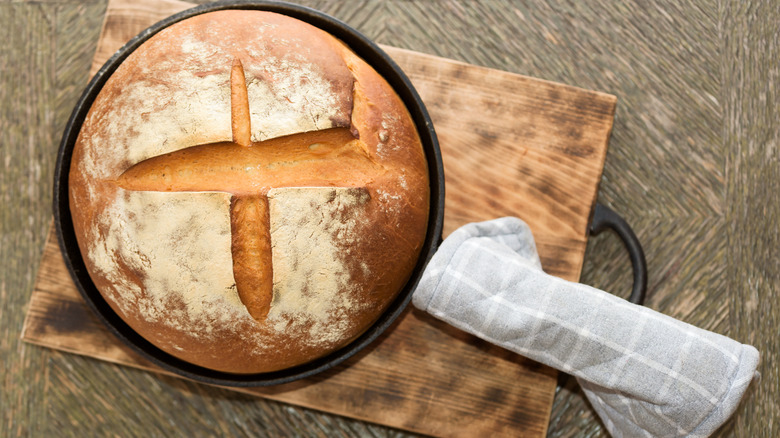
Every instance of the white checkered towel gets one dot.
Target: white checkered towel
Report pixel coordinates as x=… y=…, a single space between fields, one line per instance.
x=645 y=374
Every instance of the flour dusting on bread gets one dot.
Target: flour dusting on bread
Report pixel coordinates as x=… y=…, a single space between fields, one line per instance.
x=346 y=222
x=313 y=287
x=191 y=265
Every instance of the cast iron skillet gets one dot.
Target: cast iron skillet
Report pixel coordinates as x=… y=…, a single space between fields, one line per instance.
x=371 y=53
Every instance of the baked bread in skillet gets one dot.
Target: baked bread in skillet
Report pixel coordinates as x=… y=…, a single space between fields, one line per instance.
x=247 y=193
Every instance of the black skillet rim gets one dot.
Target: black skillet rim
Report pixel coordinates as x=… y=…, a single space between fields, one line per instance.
x=364 y=48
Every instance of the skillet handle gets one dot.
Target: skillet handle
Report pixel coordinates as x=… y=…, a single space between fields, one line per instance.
x=604 y=218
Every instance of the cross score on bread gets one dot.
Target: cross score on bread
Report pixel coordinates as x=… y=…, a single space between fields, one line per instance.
x=248 y=170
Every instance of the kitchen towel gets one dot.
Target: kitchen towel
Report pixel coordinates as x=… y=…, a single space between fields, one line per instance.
x=645 y=373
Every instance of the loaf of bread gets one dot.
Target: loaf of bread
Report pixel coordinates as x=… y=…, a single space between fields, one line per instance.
x=248 y=194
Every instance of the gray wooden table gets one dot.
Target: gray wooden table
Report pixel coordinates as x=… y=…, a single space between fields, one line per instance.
x=693 y=165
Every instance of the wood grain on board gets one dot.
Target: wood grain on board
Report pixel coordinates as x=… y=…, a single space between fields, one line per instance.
x=511 y=145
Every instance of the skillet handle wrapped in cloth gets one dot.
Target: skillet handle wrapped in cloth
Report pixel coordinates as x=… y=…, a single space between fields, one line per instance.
x=645 y=373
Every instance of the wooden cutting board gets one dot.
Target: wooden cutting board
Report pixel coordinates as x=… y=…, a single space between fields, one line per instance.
x=511 y=145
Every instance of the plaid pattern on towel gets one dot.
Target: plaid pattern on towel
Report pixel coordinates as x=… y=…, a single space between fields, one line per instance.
x=645 y=373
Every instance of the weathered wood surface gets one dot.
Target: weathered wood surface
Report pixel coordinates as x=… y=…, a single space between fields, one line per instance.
x=750 y=98
x=528 y=146
x=692 y=165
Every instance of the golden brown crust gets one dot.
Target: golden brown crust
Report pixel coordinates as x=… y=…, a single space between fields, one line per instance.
x=239 y=105
x=251 y=252
x=164 y=183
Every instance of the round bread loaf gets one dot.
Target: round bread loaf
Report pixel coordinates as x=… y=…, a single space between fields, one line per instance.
x=248 y=194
